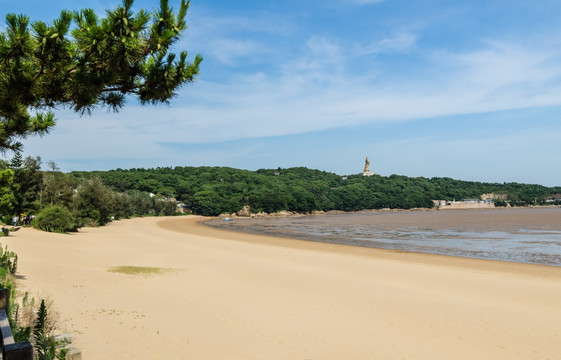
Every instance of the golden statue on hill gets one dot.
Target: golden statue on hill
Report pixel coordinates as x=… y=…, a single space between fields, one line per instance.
x=367 y=165
x=367 y=171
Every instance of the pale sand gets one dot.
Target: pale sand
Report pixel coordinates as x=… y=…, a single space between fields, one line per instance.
x=236 y=296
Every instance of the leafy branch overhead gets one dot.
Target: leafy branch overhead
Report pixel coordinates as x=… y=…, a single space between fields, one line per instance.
x=83 y=62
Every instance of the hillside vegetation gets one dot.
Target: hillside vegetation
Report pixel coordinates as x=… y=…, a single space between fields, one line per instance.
x=216 y=190
x=97 y=197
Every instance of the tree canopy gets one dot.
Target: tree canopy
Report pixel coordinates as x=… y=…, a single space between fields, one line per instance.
x=216 y=190
x=96 y=197
x=83 y=62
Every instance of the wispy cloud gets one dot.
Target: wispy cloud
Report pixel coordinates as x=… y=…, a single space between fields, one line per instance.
x=203 y=23
x=323 y=60
x=274 y=71
x=299 y=102
x=234 y=39
x=363 y=2
x=228 y=51
x=316 y=92
x=500 y=64
x=503 y=75
x=320 y=46
x=401 y=42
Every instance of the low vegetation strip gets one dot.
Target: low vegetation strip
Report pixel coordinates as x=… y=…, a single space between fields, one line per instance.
x=140 y=270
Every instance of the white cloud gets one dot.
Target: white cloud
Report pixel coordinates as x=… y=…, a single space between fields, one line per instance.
x=363 y=2
x=203 y=24
x=321 y=61
x=234 y=39
x=314 y=90
x=228 y=51
x=322 y=47
x=503 y=76
x=502 y=64
x=401 y=42
x=319 y=96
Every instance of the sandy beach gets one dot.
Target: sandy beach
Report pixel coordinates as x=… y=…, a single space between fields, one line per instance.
x=237 y=296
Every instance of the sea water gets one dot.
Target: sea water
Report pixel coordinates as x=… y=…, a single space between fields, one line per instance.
x=517 y=235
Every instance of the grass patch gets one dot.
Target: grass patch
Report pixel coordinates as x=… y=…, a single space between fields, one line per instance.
x=139 y=270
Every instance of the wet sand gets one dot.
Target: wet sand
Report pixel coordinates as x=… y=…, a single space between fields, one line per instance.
x=239 y=296
x=527 y=235
x=477 y=220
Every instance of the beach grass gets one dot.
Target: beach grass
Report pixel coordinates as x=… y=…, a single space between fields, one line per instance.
x=139 y=270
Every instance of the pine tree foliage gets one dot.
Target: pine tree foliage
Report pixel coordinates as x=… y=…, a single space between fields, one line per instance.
x=84 y=62
x=45 y=345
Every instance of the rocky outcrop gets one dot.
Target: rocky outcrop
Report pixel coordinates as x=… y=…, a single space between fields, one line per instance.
x=245 y=211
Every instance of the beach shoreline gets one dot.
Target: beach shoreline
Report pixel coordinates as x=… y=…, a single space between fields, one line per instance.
x=202 y=228
x=493 y=234
x=281 y=214
x=243 y=296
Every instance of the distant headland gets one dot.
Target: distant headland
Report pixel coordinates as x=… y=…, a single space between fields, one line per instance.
x=218 y=190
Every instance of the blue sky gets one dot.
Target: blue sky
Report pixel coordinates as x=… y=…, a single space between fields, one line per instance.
x=469 y=90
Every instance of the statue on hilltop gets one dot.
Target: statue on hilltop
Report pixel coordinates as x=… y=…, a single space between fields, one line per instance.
x=366 y=171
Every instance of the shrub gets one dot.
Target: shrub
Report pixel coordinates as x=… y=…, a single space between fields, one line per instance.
x=8 y=262
x=22 y=317
x=56 y=219
x=500 y=203
x=45 y=344
x=93 y=203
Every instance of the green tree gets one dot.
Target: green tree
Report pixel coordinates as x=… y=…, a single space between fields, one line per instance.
x=164 y=206
x=302 y=200
x=27 y=183
x=149 y=185
x=208 y=202
x=45 y=344
x=56 y=219
x=123 y=208
x=93 y=202
x=351 y=197
x=140 y=202
x=57 y=188
x=6 y=195
x=82 y=62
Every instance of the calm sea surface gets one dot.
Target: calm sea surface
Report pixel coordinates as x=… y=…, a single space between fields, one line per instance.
x=529 y=235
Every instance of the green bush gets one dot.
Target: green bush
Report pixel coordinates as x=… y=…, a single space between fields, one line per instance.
x=56 y=219
x=500 y=203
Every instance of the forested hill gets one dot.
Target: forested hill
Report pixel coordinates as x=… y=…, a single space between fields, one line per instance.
x=215 y=190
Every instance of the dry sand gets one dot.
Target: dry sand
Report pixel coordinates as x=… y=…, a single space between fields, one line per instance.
x=236 y=296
